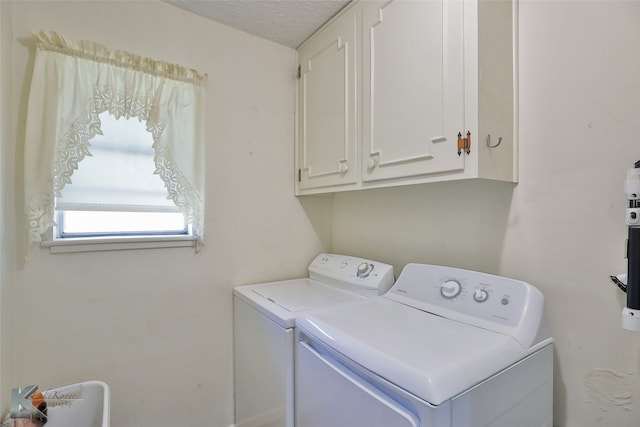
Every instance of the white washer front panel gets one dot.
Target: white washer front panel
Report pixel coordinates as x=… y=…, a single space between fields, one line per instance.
x=263 y=377
x=431 y=357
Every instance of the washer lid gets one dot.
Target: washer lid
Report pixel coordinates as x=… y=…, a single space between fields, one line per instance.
x=431 y=357
x=302 y=295
x=284 y=301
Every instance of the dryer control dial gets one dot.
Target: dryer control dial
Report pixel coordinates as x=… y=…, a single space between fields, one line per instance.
x=450 y=289
x=364 y=269
x=480 y=295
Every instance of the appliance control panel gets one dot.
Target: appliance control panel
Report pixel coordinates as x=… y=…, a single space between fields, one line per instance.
x=492 y=302
x=358 y=275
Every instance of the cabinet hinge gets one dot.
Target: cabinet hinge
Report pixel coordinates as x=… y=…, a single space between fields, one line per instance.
x=299 y=71
x=299 y=175
x=464 y=143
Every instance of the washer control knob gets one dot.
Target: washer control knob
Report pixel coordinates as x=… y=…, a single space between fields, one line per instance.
x=450 y=289
x=480 y=295
x=364 y=269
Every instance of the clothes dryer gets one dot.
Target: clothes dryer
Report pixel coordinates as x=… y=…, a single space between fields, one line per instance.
x=264 y=323
x=445 y=347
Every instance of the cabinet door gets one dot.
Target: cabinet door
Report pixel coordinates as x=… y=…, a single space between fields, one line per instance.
x=413 y=88
x=326 y=143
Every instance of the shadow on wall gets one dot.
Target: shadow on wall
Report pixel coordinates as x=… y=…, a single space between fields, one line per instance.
x=458 y=223
x=318 y=210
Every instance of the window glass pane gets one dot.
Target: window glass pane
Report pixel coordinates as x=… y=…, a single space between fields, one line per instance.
x=114 y=223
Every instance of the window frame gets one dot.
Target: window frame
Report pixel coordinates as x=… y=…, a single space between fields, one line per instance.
x=93 y=244
x=98 y=242
x=60 y=234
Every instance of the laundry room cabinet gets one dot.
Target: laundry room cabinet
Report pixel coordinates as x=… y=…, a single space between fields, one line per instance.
x=327 y=110
x=404 y=92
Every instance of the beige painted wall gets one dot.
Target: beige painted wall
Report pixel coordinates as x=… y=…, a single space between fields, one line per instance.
x=562 y=227
x=156 y=324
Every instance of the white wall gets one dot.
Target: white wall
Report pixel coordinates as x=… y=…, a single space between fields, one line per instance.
x=156 y=324
x=562 y=227
x=5 y=123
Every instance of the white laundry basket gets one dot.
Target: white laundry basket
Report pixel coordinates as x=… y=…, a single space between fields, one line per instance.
x=85 y=404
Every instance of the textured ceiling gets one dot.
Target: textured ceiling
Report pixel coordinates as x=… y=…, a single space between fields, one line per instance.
x=287 y=22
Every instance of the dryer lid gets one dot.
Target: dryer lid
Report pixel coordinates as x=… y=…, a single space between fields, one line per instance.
x=432 y=357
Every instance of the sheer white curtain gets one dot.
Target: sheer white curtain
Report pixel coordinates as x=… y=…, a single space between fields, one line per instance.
x=73 y=82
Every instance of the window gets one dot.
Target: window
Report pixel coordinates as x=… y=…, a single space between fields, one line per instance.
x=115 y=192
x=114 y=146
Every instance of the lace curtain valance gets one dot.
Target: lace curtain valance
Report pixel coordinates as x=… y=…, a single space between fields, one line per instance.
x=73 y=82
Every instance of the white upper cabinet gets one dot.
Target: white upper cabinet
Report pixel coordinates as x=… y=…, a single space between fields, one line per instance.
x=412 y=88
x=327 y=132
x=404 y=92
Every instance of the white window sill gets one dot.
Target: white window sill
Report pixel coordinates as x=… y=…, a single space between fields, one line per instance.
x=94 y=244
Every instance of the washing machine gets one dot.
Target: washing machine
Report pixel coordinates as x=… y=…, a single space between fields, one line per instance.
x=445 y=347
x=264 y=324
